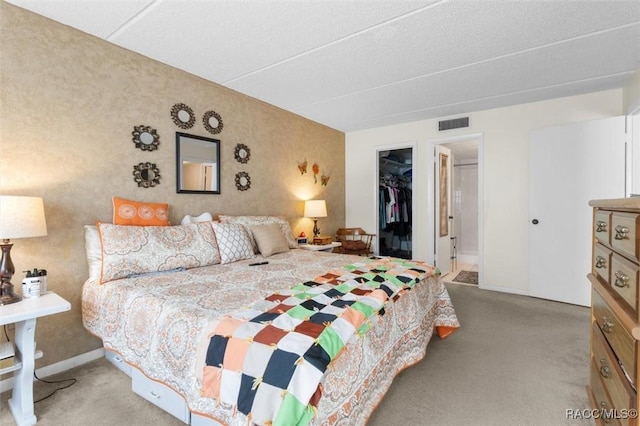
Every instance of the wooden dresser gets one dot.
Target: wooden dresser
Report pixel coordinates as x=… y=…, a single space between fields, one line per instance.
x=615 y=320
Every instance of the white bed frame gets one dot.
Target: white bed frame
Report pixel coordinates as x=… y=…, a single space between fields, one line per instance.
x=159 y=394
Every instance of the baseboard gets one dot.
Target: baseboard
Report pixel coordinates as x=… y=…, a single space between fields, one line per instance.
x=505 y=290
x=58 y=367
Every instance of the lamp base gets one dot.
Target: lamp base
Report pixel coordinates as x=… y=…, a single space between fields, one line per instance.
x=7 y=296
x=316 y=230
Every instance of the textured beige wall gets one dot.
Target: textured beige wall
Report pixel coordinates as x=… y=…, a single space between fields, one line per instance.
x=69 y=102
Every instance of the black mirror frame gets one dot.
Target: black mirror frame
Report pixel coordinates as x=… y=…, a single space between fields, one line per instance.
x=180 y=135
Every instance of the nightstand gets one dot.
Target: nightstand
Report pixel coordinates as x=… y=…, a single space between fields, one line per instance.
x=319 y=247
x=24 y=314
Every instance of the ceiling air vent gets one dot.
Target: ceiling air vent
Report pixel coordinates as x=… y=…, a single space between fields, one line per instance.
x=453 y=123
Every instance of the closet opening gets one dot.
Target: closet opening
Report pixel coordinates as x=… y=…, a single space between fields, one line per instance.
x=395 y=205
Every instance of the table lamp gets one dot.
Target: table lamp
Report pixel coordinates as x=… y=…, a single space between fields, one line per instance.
x=20 y=217
x=315 y=209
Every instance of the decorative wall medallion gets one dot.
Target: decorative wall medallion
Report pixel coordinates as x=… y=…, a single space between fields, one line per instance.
x=316 y=169
x=212 y=122
x=242 y=153
x=183 y=116
x=145 y=138
x=146 y=175
x=243 y=181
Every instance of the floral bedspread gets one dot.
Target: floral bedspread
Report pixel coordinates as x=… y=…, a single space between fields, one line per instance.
x=160 y=323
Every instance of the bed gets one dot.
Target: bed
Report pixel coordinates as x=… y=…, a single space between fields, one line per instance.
x=157 y=298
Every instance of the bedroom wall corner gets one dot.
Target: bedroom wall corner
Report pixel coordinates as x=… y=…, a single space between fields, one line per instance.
x=68 y=104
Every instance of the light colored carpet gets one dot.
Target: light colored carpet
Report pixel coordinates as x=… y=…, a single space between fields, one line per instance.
x=515 y=361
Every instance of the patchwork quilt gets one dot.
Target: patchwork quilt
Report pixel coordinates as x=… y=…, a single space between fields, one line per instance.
x=268 y=360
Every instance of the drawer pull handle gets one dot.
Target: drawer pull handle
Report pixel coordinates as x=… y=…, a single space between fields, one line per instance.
x=621 y=232
x=607 y=325
x=601 y=262
x=605 y=371
x=601 y=226
x=154 y=395
x=622 y=280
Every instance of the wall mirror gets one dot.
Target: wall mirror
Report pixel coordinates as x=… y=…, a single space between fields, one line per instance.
x=183 y=116
x=146 y=175
x=242 y=153
x=212 y=122
x=198 y=164
x=145 y=138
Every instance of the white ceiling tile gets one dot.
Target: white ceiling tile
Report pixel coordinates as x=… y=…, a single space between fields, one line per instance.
x=99 y=18
x=350 y=64
x=224 y=40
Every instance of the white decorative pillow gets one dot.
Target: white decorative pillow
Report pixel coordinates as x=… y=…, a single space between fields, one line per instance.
x=131 y=250
x=93 y=248
x=234 y=242
x=204 y=217
x=269 y=239
x=249 y=221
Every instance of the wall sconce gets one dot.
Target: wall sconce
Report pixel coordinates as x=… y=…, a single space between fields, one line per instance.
x=20 y=217
x=315 y=209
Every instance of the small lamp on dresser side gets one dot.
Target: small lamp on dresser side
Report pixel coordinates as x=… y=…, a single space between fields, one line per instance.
x=315 y=209
x=20 y=217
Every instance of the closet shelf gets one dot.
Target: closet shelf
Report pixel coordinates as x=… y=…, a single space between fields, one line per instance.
x=397 y=165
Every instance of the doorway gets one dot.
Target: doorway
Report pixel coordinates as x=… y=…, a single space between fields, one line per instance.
x=395 y=202
x=463 y=252
x=569 y=165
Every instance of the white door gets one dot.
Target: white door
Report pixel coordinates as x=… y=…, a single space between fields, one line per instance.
x=443 y=208
x=568 y=166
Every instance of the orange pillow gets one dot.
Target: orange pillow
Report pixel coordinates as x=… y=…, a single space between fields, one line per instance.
x=127 y=212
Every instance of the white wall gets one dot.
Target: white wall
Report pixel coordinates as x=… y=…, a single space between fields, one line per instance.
x=506 y=137
x=465 y=214
x=631 y=93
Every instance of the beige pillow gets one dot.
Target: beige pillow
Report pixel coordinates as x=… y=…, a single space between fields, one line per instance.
x=131 y=250
x=269 y=239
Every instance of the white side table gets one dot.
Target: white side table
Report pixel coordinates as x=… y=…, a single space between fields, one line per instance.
x=319 y=247
x=23 y=314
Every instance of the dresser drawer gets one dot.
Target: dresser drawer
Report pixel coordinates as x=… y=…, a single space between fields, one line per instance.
x=620 y=339
x=601 y=263
x=624 y=237
x=602 y=227
x=160 y=395
x=599 y=395
x=613 y=379
x=624 y=280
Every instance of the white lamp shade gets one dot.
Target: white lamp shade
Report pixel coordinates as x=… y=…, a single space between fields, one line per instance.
x=315 y=208
x=21 y=217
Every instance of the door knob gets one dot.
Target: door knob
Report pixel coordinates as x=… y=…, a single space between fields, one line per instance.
x=535 y=221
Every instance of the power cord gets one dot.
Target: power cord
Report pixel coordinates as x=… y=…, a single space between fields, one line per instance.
x=72 y=380
x=53 y=382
